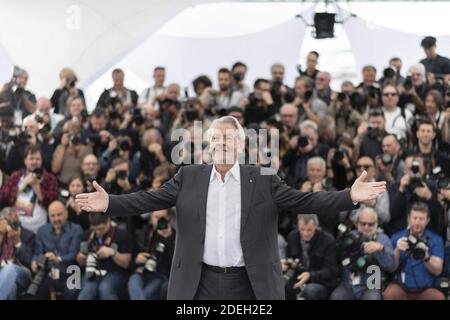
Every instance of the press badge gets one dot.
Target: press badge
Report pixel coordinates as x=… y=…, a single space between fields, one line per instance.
x=356 y=279
x=403 y=277
x=54 y=273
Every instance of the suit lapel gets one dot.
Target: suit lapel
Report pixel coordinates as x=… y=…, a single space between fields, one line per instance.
x=202 y=194
x=247 y=188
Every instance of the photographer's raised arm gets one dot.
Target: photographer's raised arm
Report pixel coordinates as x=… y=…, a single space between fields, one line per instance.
x=134 y=203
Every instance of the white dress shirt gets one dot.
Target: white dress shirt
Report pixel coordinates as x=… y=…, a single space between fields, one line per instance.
x=223 y=220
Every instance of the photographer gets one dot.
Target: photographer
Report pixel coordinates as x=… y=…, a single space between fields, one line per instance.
x=76 y=110
x=44 y=110
x=311 y=64
x=397 y=119
x=315 y=275
x=301 y=149
x=156 y=245
x=418 y=259
x=30 y=191
x=260 y=105
x=323 y=88
x=76 y=186
x=118 y=97
x=372 y=248
x=309 y=106
x=90 y=169
x=369 y=85
x=426 y=132
x=152 y=153
x=345 y=113
x=66 y=90
x=381 y=203
x=191 y=110
x=238 y=72
x=15 y=92
x=16 y=250
x=150 y=94
x=280 y=92
x=218 y=101
x=413 y=187
x=117 y=179
x=340 y=163
x=58 y=241
x=371 y=143
x=96 y=134
x=390 y=165
x=106 y=252
x=66 y=161
x=434 y=105
x=412 y=93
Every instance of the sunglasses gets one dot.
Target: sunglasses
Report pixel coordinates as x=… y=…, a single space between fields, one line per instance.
x=367 y=224
x=392 y=94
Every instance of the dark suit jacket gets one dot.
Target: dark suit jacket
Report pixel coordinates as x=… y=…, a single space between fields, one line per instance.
x=262 y=197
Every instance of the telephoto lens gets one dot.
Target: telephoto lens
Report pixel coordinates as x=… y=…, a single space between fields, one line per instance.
x=386 y=159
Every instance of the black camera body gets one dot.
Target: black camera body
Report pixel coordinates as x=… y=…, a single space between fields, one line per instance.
x=75 y=139
x=121 y=174
x=372 y=131
x=42 y=273
x=442 y=181
x=417 y=247
x=294 y=268
x=38 y=173
x=303 y=141
x=387 y=159
x=351 y=251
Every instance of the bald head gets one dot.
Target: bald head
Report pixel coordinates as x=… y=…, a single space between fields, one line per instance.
x=390 y=145
x=30 y=124
x=57 y=214
x=43 y=105
x=289 y=115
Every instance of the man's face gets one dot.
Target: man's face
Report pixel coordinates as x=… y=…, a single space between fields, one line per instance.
x=6 y=122
x=90 y=166
x=369 y=76
x=288 y=117
x=311 y=61
x=159 y=76
x=76 y=107
x=425 y=134
x=365 y=163
x=33 y=161
x=31 y=126
x=224 y=81
x=57 y=216
x=98 y=123
x=277 y=73
x=118 y=78
x=322 y=81
x=263 y=87
x=22 y=80
x=307 y=230
x=430 y=104
x=316 y=172
x=390 y=97
x=390 y=146
x=156 y=215
x=367 y=224
x=416 y=77
x=173 y=93
x=377 y=121
x=102 y=229
x=76 y=187
x=408 y=166
x=312 y=139
x=43 y=106
x=418 y=221
x=224 y=143
x=430 y=52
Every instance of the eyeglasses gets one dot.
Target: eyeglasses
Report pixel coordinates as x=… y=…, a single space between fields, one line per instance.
x=365 y=166
x=321 y=79
x=366 y=224
x=392 y=94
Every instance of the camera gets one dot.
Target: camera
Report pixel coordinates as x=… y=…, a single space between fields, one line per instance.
x=276 y=86
x=152 y=263
x=75 y=139
x=38 y=173
x=42 y=272
x=372 y=131
x=113 y=99
x=339 y=155
x=307 y=96
x=162 y=223
x=389 y=72
x=417 y=247
x=408 y=83
x=14 y=225
x=121 y=175
x=342 y=96
x=124 y=145
x=64 y=195
x=146 y=182
x=93 y=266
x=415 y=180
x=358 y=101
x=294 y=268
x=440 y=178
x=303 y=141
x=95 y=138
x=237 y=76
x=137 y=119
x=386 y=159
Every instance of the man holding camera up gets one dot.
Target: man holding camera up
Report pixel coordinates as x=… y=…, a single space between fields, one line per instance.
x=30 y=191
x=390 y=165
x=105 y=252
x=118 y=96
x=16 y=247
x=260 y=105
x=314 y=275
x=375 y=132
x=418 y=257
x=56 y=247
x=368 y=246
x=413 y=187
x=156 y=244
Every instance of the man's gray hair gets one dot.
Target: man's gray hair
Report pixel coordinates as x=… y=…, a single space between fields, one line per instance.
x=306 y=218
x=230 y=120
x=308 y=124
x=418 y=67
x=367 y=210
x=316 y=160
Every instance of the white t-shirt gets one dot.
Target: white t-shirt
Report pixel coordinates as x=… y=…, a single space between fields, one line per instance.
x=395 y=123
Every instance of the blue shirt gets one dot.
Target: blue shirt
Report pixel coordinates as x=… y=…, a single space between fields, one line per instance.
x=65 y=245
x=416 y=274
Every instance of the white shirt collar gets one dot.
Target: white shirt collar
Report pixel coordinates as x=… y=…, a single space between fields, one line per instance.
x=235 y=172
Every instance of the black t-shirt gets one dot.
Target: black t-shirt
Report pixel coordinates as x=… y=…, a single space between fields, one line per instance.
x=118 y=236
x=440 y=65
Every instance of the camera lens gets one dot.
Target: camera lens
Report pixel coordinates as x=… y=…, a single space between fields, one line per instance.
x=303 y=141
x=37 y=173
x=124 y=145
x=75 y=140
x=386 y=159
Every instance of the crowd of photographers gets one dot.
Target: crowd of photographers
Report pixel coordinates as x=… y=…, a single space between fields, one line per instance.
x=394 y=127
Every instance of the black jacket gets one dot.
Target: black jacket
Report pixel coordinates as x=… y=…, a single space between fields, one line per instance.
x=322 y=256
